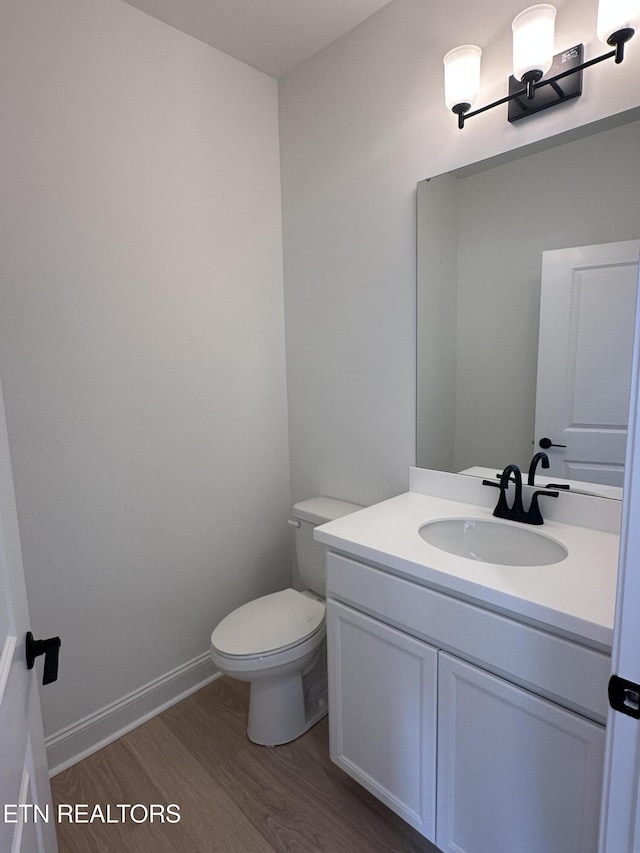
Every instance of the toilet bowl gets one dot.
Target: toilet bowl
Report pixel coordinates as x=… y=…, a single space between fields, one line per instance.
x=275 y=642
x=278 y=642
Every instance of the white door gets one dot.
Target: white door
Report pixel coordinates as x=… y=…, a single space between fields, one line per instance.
x=27 y=822
x=620 y=828
x=587 y=311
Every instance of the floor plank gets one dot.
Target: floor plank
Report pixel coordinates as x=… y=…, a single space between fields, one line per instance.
x=234 y=796
x=210 y=816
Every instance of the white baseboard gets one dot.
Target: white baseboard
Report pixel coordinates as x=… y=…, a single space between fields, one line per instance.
x=80 y=739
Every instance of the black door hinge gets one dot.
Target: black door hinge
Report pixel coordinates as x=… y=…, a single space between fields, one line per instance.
x=624 y=696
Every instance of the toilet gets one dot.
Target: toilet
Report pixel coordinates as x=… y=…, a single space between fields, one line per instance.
x=278 y=642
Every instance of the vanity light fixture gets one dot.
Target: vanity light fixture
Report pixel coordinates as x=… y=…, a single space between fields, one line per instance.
x=540 y=79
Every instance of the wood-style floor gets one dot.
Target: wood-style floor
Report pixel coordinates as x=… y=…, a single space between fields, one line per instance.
x=234 y=796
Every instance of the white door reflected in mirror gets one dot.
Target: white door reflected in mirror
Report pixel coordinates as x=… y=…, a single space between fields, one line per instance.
x=587 y=310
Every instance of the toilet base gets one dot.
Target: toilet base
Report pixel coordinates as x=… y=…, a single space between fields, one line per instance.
x=283 y=707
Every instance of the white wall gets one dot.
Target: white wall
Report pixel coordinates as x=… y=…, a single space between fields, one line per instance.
x=361 y=123
x=141 y=339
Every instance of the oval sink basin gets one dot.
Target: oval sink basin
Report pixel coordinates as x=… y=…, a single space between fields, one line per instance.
x=492 y=542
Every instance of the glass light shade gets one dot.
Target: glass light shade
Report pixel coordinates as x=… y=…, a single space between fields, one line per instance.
x=614 y=15
x=462 y=75
x=533 y=37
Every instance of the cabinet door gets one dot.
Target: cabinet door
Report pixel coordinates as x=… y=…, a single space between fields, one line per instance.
x=515 y=772
x=382 y=712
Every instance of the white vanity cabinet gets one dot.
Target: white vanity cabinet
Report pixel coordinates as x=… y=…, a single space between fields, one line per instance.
x=486 y=734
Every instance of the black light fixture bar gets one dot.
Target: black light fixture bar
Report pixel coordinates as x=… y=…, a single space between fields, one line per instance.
x=527 y=99
x=562 y=82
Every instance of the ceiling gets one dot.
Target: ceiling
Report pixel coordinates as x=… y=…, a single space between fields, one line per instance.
x=273 y=36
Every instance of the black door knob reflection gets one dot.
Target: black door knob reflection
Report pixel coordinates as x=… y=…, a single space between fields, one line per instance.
x=546 y=443
x=50 y=649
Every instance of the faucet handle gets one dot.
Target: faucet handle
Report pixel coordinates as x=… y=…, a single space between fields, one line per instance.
x=512 y=477
x=490 y=483
x=533 y=514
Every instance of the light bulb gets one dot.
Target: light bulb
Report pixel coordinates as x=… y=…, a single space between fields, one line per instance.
x=616 y=15
x=462 y=75
x=533 y=37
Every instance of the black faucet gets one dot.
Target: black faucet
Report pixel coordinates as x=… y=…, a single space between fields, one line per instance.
x=516 y=512
x=541 y=458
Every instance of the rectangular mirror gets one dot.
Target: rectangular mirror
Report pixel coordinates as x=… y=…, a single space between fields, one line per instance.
x=482 y=232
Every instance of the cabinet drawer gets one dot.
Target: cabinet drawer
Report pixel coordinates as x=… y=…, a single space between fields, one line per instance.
x=566 y=672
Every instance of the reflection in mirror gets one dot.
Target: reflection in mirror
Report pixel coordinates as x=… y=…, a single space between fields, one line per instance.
x=482 y=232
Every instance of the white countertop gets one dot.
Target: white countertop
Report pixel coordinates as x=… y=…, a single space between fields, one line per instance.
x=573 y=598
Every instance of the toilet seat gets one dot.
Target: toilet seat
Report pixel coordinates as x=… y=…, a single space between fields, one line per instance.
x=268 y=625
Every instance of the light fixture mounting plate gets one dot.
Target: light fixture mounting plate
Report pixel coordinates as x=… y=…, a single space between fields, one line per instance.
x=549 y=94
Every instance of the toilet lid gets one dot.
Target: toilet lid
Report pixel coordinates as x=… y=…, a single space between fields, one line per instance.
x=268 y=624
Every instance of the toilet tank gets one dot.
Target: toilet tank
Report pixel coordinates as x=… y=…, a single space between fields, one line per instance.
x=311 y=554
